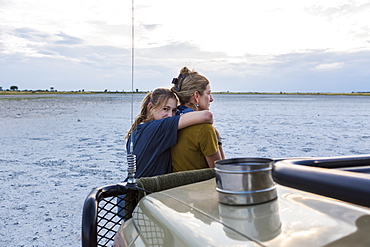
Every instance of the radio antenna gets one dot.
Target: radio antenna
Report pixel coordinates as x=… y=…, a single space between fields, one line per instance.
x=131 y=157
x=132 y=58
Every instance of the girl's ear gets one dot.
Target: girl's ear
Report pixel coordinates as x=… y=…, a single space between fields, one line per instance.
x=150 y=106
x=149 y=109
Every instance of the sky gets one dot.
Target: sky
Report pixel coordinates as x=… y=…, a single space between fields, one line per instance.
x=239 y=45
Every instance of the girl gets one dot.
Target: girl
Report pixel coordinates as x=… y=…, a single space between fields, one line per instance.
x=198 y=146
x=154 y=132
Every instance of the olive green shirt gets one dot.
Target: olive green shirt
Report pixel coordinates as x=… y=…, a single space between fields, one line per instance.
x=193 y=144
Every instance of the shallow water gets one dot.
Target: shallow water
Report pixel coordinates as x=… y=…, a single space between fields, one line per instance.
x=56 y=148
x=293 y=125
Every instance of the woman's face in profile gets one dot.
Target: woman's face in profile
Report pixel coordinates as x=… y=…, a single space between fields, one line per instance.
x=205 y=99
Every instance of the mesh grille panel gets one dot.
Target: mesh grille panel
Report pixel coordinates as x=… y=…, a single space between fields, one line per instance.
x=112 y=211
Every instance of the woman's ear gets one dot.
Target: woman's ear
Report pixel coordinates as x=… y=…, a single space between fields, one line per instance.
x=196 y=97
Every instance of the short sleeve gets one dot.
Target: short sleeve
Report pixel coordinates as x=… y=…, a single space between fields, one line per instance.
x=208 y=140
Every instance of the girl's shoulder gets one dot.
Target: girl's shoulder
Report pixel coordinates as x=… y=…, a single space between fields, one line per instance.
x=163 y=121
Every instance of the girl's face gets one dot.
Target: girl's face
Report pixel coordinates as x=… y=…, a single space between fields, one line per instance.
x=164 y=110
x=205 y=99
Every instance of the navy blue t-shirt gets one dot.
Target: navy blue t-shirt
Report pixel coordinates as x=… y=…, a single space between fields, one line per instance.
x=152 y=146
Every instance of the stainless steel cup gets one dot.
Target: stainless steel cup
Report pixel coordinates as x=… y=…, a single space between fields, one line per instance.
x=245 y=181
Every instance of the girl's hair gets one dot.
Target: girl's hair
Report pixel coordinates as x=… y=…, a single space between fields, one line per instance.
x=187 y=83
x=158 y=97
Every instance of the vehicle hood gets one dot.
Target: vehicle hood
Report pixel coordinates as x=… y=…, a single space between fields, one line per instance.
x=191 y=215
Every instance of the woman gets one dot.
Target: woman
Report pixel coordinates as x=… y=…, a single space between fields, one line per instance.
x=198 y=146
x=154 y=132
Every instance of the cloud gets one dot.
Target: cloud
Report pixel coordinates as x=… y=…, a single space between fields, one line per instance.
x=44 y=72
x=30 y=34
x=151 y=27
x=308 y=46
x=340 y=10
x=324 y=66
x=80 y=66
x=68 y=40
x=25 y=43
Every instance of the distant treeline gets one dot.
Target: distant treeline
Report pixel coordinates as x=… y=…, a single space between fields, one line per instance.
x=296 y=93
x=82 y=91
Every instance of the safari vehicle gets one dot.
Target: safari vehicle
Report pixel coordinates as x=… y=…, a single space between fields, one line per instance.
x=319 y=202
